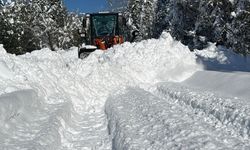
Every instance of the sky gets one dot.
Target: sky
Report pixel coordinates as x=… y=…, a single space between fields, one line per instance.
x=86 y=6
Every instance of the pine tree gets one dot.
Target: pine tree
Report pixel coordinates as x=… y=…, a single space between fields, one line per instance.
x=162 y=17
x=14 y=28
x=33 y=24
x=238 y=33
x=148 y=17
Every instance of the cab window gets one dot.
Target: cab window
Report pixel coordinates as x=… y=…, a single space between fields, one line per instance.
x=104 y=25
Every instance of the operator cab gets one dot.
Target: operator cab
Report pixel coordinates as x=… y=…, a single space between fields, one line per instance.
x=104 y=25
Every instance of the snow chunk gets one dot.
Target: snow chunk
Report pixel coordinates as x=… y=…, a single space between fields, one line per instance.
x=5 y=72
x=11 y=20
x=233 y=14
x=232 y=1
x=2 y=50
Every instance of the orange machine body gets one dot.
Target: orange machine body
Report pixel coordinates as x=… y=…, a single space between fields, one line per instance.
x=106 y=42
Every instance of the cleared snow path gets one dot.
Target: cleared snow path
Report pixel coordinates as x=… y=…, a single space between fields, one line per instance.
x=140 y=120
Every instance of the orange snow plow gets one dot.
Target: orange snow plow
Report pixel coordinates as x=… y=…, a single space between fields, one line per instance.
x=100 y=31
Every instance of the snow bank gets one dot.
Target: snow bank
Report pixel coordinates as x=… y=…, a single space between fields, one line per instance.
x=140 y=120
x=26 y=123
x=210 y=107
x=2 y=50
x=73 y=91
x=155 y=60
x=221 y=58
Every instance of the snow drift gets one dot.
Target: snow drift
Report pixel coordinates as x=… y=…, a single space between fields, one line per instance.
x=223 y=59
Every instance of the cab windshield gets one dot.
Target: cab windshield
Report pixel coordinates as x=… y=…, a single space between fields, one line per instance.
x=104 y=25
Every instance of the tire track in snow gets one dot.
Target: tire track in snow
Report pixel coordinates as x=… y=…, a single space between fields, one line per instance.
x=140 y=120
x=222 y=112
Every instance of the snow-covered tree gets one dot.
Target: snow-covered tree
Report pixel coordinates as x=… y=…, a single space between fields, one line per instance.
x=141 y=16
x=15 y=30
x=48 y=21
x=33 y=24
x=71 y=36
x=194 y=22
x=162 y=17
x=238 y=33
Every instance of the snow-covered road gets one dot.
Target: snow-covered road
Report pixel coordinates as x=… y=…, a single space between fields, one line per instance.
x=141 y=120
x=53 y=100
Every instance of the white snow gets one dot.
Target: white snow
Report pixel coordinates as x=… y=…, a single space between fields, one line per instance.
x=233 y=14
x=224 y=83
x=5 y=71
x=88 y=46
x=175 y=120
x=154 y=91
x=220 y=58
x=232 y=1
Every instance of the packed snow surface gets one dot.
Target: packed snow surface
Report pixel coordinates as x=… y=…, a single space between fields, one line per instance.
x=224 y=83
x=134 y=96
x=141 y=120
